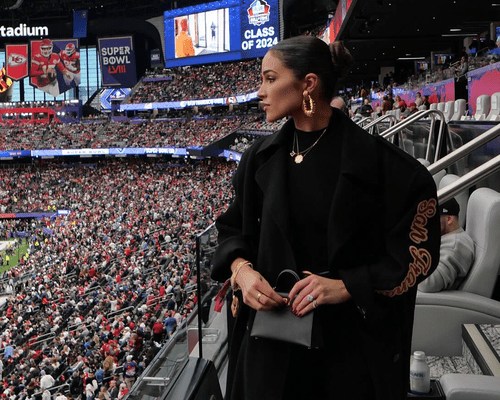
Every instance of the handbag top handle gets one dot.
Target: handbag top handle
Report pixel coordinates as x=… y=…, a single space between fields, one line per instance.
x=285 y=280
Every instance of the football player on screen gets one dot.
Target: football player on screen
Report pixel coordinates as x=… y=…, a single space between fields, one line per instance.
x=71 y=60
x=43 y=69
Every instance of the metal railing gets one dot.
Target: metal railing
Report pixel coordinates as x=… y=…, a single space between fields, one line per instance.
x=364 y=120
x=419 y=115
x=375 y=124
x=464 y=150
x=469 y=179
x=472 y=177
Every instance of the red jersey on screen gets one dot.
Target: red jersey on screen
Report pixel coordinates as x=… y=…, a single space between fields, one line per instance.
x=72 y=62
x=40 y=66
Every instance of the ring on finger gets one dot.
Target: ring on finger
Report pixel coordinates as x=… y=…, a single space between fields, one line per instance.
x=258 y=296
x=315 y=304
x=309 y=298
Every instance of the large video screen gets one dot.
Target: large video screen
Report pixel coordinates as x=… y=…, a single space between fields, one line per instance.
x=220 y=31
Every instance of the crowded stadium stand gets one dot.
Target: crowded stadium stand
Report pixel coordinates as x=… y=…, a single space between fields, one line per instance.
x=116 y=161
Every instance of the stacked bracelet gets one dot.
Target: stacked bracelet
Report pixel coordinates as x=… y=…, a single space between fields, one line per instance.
x=234 y=285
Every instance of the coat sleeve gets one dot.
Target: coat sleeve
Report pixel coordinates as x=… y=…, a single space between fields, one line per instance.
x=411 y=239
x=233 y=235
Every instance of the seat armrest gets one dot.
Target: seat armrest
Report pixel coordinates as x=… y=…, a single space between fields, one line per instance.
x=460 y=300
x=470 y=387
x=437 y=327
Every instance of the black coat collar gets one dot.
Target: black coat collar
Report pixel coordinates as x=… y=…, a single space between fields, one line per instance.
x=356 y=155
x=354 y=198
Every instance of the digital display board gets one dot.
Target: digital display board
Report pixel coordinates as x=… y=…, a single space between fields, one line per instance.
x=126 y=151
x=220 y=31
x=222 y=101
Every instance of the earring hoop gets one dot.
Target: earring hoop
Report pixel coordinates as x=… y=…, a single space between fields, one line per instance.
x=308 y=104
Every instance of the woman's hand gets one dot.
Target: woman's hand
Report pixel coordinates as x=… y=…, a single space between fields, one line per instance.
x=314 y=291
x=257 y=293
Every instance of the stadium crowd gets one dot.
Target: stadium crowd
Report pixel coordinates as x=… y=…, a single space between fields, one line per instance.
x=197 y=131
x=104 y=286
x=201 y=82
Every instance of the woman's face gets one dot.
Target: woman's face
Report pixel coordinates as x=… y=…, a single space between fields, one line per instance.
x=281 y=92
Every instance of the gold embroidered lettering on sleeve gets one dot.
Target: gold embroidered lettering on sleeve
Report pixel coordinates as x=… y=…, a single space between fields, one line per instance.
x=421 y=264
x=425 y=209
x=422 y=259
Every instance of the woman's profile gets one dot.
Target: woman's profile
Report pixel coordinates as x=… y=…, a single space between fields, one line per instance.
x=350 y=213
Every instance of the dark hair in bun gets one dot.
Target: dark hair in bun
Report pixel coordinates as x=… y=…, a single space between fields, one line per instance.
x=308 y=54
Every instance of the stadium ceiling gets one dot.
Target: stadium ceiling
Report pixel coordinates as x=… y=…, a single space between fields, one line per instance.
x=381 y=32
x=302 y=14
x=378 y=32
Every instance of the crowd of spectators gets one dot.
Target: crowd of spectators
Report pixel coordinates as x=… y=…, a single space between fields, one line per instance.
x=47 y=136
x=104 y=286
x=202 y=82
x=197 y=131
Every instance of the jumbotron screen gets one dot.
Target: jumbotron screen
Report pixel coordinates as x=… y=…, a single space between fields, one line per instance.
x=220 y=31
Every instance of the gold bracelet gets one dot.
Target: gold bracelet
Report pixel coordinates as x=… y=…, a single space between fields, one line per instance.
x=234 y=285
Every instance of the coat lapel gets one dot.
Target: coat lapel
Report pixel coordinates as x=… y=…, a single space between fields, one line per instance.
x=355 y=197
x=271 y=177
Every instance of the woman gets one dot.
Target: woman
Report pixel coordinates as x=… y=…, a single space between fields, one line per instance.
x=323 y=196
x=397 y=102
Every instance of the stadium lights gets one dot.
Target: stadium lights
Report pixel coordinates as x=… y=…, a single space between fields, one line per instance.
x=459 y=35
x=411 y=58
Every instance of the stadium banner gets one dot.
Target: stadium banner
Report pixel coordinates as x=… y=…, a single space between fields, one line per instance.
x=337 y=24
x=5 y=216
x=55 y=65
x=117 y=59
x=80 y=18
x=155 y=57
x=25 y=215
x=231 y=155
x=5 y=84
x=17 y=61
x=15 y=153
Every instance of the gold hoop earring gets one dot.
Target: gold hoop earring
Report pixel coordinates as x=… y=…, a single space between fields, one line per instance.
x=308 y=108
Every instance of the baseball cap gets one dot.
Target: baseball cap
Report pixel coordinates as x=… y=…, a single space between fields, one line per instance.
x=450 y=207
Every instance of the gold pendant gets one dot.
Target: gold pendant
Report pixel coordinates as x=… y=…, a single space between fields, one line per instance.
x=298 y=158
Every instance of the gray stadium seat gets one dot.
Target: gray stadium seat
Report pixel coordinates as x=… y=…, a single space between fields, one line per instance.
x=494 y=114
x=470 y=387
x=483 y=226
x=439 y=316
x=459 y=109
x=483 y=104
x=449 y=110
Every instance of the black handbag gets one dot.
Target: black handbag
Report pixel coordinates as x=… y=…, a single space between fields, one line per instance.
x=281 y=324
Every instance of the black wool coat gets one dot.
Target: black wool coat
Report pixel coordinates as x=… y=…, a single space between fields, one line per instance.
x=383 y=239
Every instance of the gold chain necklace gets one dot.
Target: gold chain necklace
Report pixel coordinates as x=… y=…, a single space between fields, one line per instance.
x=296 y=154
